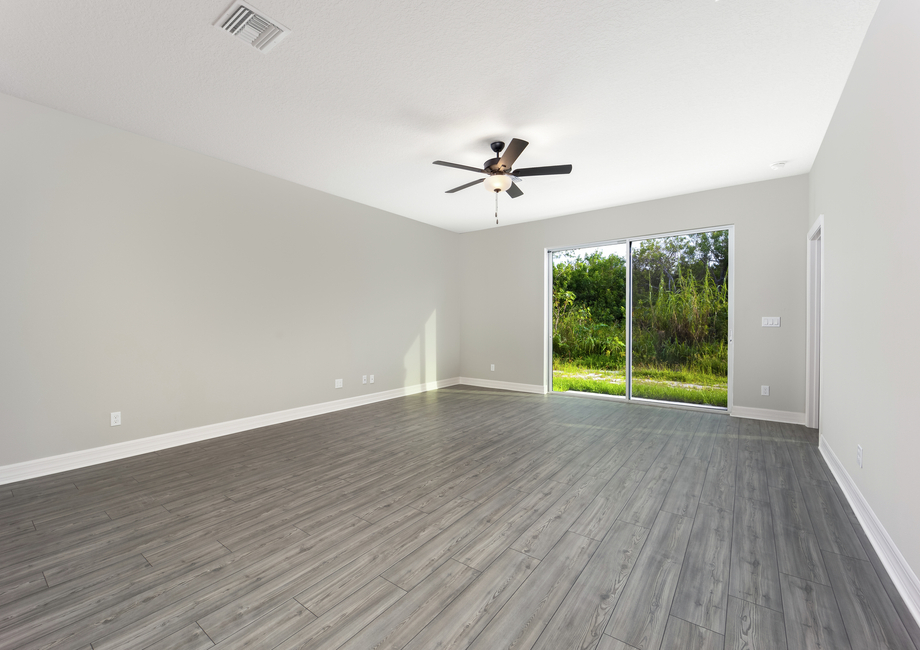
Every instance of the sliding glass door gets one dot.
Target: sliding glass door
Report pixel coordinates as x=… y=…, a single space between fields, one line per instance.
x=645 y=319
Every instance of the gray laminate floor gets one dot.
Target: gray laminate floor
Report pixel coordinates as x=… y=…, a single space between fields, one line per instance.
x=460 y=518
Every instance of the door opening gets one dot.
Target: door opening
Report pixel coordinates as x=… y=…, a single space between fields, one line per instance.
x=813 y=342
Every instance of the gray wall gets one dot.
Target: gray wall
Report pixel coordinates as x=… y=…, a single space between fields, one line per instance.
x=865 y=183
x=183 y=291
x=502 y=304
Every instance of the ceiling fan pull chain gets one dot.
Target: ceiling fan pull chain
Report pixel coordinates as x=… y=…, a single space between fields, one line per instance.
x=496 y=207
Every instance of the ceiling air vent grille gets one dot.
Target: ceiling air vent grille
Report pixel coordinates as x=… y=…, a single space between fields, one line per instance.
x=247 y=23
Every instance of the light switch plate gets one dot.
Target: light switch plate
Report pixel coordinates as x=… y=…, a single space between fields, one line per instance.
x=770 y=321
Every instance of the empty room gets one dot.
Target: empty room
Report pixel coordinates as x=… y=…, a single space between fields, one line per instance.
x=276 y=372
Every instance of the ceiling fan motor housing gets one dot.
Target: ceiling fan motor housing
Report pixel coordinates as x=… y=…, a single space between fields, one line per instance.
x=492 y=163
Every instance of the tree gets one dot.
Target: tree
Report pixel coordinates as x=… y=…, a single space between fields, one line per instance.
x=598 y=282
x=680 y=304
x=663 y=259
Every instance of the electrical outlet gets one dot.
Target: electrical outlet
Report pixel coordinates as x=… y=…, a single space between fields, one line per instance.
x=859 y=455
x=363 y=379
x=372 y=379
x=764 y=390
x=493 y=367
x=116 y=418
x=338 y=383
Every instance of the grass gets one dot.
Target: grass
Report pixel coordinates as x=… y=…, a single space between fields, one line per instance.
x=588 y=386
x=682 y=376
x=683 y=385
x=708 y=396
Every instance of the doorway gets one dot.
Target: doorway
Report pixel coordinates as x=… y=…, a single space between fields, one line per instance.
x=813 y=325
x=646 y=318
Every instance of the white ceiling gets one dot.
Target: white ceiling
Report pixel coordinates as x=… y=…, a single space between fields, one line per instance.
x=646 y=98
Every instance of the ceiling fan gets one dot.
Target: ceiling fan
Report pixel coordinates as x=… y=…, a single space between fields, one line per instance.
x=499 y=175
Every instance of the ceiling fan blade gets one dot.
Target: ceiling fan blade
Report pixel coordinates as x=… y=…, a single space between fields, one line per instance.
x=463 y=187
x=514 y=191
x=466 y=167
x=512 y=151
x=543 y=171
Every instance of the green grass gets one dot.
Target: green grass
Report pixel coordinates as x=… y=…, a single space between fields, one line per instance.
x=685 y=386
x=682 y=376
x=588 y=386
x=708 y=396
x=577 y=367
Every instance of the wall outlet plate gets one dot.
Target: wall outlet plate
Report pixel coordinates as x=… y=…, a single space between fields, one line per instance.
x=764 y=390
x=338 y=383
x=115 y=418
x=493 y=367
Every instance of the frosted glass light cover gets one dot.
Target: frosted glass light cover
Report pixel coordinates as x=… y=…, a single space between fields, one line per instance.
x=497 y=182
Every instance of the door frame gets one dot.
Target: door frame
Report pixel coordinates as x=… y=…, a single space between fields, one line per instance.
x=628 y=241
x=814 y=323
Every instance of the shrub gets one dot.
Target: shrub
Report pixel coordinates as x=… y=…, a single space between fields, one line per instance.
x=681 y=323
x=576 y=334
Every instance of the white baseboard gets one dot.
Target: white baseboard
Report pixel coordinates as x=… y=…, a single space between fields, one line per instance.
x=503 y=385
x=903 y=577
x=770 y=415
x=84 y=458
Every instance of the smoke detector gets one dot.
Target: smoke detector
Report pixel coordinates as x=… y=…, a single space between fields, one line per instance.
x=251 y=25
x=779 y=164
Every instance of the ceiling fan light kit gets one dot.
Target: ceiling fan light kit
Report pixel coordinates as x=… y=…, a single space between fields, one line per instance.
x=497 y=183
x=500 y=177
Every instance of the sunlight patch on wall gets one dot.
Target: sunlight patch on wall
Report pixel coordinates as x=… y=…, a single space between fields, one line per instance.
x=421 y=360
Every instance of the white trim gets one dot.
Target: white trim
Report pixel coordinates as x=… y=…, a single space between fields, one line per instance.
x=503 y=385
x=547 y=320
x=789 y=417
x=814 y=322
x=730 y=402
x=86 y=457
x=628 y=330
x=903 y=577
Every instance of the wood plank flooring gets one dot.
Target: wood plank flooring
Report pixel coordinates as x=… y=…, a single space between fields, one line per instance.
x=459 y=518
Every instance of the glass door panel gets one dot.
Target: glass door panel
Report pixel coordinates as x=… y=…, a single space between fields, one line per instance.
x=589 y=320
x=679 y=324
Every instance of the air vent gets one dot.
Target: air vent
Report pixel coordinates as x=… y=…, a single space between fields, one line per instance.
x=249 y=24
